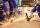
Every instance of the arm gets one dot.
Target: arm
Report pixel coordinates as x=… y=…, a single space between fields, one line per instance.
x=34 y=9
x=5 y=8
x=15 y=6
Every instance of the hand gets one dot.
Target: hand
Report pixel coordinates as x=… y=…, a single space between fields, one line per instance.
x=7 y=12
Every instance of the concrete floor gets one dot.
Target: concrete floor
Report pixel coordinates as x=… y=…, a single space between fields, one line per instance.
x=23 y=24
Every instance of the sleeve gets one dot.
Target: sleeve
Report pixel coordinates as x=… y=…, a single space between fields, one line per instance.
x=15 y=4
x=11 y=4
x=5 y=8
x=34 y=9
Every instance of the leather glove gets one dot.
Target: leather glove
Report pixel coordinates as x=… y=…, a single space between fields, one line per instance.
x=7 y=14
x=31 y=14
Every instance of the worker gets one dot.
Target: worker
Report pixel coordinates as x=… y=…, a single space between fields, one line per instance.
x=36 y=8
x=2 y=7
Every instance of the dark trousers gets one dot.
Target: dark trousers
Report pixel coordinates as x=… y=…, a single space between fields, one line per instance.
x=2 y=17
